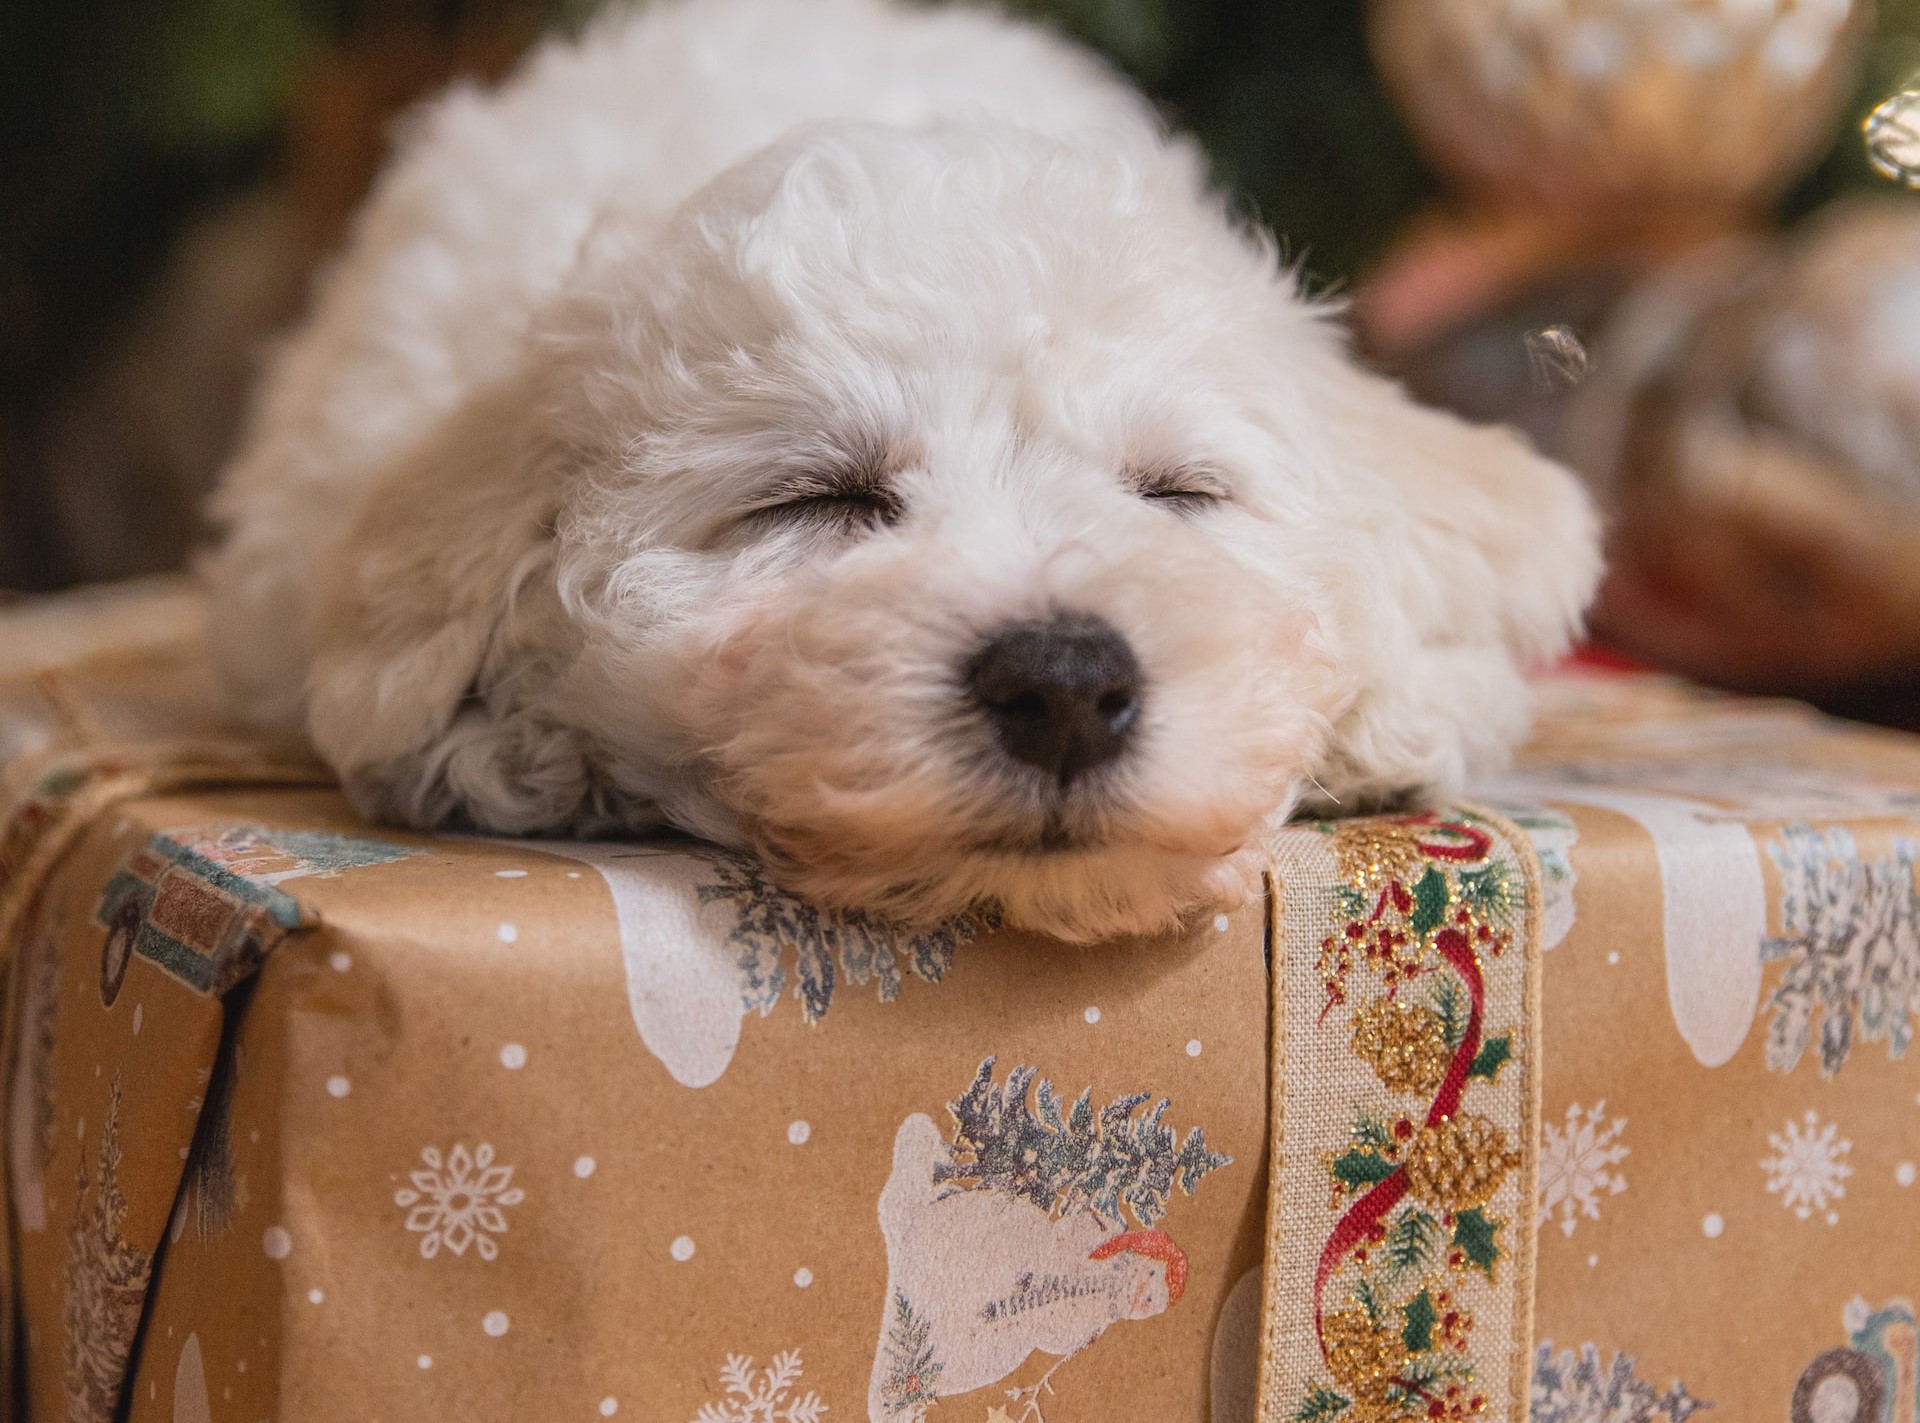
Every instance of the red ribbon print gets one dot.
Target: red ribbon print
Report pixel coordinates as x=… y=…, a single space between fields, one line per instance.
x=1366 y=1213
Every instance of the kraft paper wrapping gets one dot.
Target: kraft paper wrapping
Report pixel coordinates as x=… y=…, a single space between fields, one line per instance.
x=1585 y=1101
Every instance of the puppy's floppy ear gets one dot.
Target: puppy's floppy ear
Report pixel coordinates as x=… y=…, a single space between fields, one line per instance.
x=439 y=627
x=1484 y=568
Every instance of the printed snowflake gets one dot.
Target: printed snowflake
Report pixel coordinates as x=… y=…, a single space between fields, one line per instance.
x=1807 y=1171
x=456 y=1203
x=1576 y=1388
x=763 y=1395
x=1576 y=1165
x=1851 y=943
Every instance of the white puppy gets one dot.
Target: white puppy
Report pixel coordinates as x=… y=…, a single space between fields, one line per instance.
x=857 y=434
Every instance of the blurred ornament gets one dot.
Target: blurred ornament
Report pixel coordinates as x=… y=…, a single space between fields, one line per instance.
x=1834 y=346
x=1618 y=111
x=1557 y=357
x=1893 y=137
x=1754 y=431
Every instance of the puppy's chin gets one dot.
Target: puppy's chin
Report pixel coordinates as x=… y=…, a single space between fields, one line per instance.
x=1079 y=896
x=843 y=744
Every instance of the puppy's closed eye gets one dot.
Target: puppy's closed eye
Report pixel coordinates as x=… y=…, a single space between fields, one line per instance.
x=849 y=506
x=850 y=495
x=1186 y=489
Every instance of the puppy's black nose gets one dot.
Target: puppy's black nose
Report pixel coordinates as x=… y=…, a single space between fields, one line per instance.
x=1063 y=693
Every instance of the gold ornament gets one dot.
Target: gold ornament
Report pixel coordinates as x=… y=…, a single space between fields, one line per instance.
x=1893 y=137
x=1459 y=1163
x=1596 y=107
x=1757 y=407
x=1403 y=1043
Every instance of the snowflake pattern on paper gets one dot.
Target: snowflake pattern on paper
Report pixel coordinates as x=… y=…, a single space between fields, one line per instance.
x=763 y=1395
x=1578 y=1388
x=1577 y=1165
x=456 y=1202
x=1850 y=939
x=1807 y=1171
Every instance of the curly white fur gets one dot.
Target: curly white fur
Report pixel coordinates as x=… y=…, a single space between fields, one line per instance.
x=491 y=534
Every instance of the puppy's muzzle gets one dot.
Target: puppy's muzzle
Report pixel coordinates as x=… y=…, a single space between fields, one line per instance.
x=1062 y=693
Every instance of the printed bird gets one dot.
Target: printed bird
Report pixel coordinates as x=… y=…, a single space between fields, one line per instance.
x=981 y=1279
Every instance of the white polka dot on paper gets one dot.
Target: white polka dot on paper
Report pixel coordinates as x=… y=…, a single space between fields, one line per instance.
x=338 y=1086
x=316 y=1296
x=1833 y=1217
x=1904 y=1173
x=1193 y=1047
x=183 y=1153
x=1221 y=923
x=803 y=1277
x=573 y=874
x=1613 y=956
x=800 y=1132
x=508 y=933
x=340 y=961
x=682 y=1248
x=495 y=1324
x=139 y=1016
x=425 y=1361
x=1592 y=1261
x=254 y=1135
x=241 y=1366
x=609 y=1407
x=509 y=874
x=1713 y=1225
x=584 y=1167
x=1092 y=1015
x=513 y=1057
x=276 y=1242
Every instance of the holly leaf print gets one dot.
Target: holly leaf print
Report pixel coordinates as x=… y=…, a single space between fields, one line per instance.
x=1474 y=1234
x=1361 y=1168
x=1420 y=1316
x=1429 y=903
x=1494 y=1054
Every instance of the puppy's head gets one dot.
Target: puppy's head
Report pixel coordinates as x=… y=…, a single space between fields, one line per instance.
x=952 y=515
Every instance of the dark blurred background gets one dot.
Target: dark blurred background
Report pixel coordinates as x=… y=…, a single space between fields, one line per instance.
x=1648 y=231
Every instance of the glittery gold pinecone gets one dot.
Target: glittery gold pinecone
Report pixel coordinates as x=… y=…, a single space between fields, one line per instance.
x=1369 y=1410
x=1372 y=852
x=1459 y=1163
x=1403 y=1043
x=1364 y=1357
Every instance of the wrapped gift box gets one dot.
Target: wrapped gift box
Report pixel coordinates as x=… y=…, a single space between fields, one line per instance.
x=1583 y=1101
